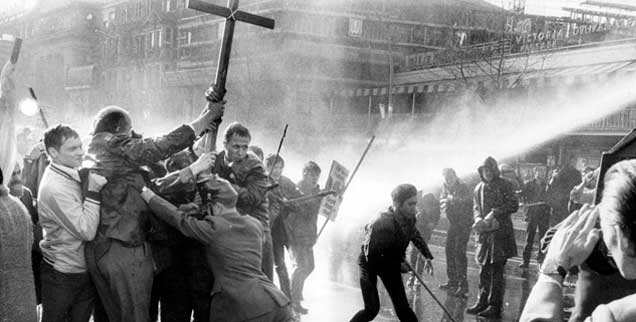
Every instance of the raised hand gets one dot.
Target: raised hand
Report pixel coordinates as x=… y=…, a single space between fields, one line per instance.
x=575 y=239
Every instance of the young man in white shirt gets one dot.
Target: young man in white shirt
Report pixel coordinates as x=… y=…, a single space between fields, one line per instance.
x=69 y=219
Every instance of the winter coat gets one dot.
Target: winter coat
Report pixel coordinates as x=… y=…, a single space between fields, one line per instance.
x=120 y=158
x=535 y=195
x=250 y=180
x=278 y=210
x=458 y=210
x=233 y=247
x=301 y=223
x=560 y=185
x=17 y=289
x=497 y=197
x=387 y=236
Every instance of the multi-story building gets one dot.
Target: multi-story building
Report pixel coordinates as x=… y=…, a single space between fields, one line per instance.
x=156 y=57
x=316 y=50
x=59 y=56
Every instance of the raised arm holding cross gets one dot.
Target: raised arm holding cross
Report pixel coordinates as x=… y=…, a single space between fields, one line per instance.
x=217 y=90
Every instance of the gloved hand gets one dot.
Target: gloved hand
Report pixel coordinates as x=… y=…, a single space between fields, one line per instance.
x=96 y=182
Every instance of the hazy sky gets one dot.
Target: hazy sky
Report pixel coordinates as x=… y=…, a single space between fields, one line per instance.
x=553 y=7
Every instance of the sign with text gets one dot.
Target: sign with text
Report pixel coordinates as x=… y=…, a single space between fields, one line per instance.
x=336 y=181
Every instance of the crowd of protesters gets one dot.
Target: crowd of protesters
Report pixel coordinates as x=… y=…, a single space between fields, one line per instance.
x=138 y=229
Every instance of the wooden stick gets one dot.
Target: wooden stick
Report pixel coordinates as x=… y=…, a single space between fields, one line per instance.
x=348 y=182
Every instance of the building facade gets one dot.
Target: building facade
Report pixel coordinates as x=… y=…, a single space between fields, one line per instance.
x=156 y=57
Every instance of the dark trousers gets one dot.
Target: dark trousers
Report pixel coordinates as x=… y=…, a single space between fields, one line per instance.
x=593 y=289
x=36 y=263
x=492 y=284
x=535 y=222
x=456 y=261
x=170 y=288
x=66 y=297
x=389 y=273
x=200 y=281
x=303 y=256
x=267 y=263
x=278 y=245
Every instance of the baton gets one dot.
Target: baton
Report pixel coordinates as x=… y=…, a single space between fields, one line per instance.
x=419 y=278
x=280 y=145
x=16 y=50
x=364 y=154
x=46 y=123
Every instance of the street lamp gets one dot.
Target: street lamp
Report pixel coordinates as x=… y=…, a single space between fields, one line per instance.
x=29 y=107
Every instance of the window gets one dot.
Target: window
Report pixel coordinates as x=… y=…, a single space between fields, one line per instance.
x=168 y=37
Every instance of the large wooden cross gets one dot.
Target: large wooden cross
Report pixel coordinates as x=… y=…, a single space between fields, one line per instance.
x=217 y=91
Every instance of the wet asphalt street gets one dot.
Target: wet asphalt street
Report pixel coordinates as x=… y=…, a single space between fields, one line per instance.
x=332 y=294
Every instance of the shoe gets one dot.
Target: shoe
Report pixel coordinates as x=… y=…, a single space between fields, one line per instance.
x=299 y=309
x=524 y=265
x=447 y=286
x=490 y=312
x=477 y=308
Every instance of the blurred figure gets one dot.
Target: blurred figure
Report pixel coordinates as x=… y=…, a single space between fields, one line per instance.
x=537 y=213
x=494 y=202
x=383 y=252
x=302 y=233
x=24 y=140
x=233 y=244
x=426 y=219
x=257 y=151
x=575 y=240
x=456 y=204
x=585 y=191
x=278 y=212
x=34 y=164
x=560 y=184
x=18 y=190
x=508 y=172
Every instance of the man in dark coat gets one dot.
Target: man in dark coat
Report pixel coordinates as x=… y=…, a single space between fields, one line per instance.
x=120 y=258
x=383 y=255
x=182 y=286
x=301 y=226
x=248 y=176
x=233 y=244
x=278 y=212
x=560 y=184
x=537 y=214
x=456 y=204
x=493 y=202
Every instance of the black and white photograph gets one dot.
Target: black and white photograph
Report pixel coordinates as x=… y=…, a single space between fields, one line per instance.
x=317 y=160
